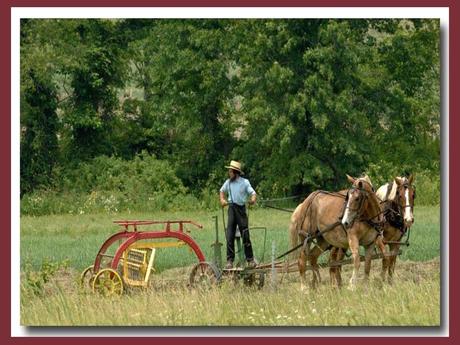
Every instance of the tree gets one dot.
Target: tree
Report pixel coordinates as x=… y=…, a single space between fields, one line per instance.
x=184 y=71
x=300 y=102
x=39 y=146
x=322 y=98
x=96 y=76
x=39 y=121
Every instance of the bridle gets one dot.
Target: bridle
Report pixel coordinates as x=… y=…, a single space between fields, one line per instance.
x=398 y=221
x=406 y=186
x=364 y=194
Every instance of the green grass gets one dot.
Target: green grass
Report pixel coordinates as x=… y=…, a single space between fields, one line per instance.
x=78 y=238
x=413 y=299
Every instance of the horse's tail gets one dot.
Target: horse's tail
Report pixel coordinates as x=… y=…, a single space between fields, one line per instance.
x=294 y=227
x=297 y=220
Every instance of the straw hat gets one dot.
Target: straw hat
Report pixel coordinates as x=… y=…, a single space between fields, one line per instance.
x=235 y=166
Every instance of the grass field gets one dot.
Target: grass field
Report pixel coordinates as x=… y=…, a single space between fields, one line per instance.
x=414 y=298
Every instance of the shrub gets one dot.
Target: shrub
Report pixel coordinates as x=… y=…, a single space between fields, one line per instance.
x=34 y=282
x=427 y=182
x=43 y=202
x=110 y=184
x=428 y=187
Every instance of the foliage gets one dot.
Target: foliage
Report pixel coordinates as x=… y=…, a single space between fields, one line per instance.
x=39 y=144
x=95 y=80
x=428 y=188
x=110 y=184
x=34 y=282
x=339 y=106
x=186 y=87
x=426 y=182
x=301 y=102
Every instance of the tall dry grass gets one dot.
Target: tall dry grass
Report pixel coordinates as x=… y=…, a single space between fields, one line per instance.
x=413 y=300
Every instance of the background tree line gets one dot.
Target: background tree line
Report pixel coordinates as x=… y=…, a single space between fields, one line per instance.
x=148 y=111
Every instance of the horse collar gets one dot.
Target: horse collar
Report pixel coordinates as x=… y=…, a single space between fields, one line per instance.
x=394 y=216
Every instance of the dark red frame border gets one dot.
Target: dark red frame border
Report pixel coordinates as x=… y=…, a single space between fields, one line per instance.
x=5 y=173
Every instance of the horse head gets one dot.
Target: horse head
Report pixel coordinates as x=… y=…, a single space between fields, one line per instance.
x=405 y=196
x=361 y=202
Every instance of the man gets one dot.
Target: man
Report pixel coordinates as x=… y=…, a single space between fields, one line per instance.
x=238 y=189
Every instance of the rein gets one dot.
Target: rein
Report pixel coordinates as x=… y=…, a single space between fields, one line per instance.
x=279 y=208
x=405 y=243
x=264 y=202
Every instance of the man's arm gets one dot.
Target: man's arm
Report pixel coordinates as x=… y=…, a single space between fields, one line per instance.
x=251 y=192
x=223 y=202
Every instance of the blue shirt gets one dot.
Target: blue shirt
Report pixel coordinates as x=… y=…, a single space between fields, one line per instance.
x=237 y=190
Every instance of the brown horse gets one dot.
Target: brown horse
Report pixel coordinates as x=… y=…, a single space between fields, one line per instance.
x=318 y=219
x=397 y=203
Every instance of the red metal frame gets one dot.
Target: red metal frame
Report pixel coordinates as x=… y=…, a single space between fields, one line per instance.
x=135 y=235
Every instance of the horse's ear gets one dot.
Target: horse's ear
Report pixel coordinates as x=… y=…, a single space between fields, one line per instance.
x=360 y=184
x=399 y=181
x=368 y=179
x=350 y=179
x=411 y=178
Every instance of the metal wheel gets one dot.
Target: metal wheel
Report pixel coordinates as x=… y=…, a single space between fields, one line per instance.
x=204 y=275
x=108 y=282
x=86 y=277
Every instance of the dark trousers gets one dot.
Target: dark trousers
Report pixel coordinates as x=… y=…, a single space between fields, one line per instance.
x=237 y=216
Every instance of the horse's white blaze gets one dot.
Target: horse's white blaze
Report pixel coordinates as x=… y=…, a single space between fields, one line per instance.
x=346 y=215
x=408 y=210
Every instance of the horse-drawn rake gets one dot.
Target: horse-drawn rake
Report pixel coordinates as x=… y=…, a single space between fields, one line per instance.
x=132 y=263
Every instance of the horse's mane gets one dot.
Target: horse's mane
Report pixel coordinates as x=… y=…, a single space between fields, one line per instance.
x=383 y=190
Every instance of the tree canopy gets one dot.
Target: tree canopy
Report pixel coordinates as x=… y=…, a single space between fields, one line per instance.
x=300 y=102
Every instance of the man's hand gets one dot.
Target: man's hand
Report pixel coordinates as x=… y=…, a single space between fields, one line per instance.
x=252 y=201
x=223 y=203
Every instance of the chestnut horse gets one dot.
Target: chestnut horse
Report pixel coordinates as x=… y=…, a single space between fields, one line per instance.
x=318 y=218
x=397 y=203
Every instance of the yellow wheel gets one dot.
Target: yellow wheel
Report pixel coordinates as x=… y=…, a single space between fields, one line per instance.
x=108 y=282
x=86 y=277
